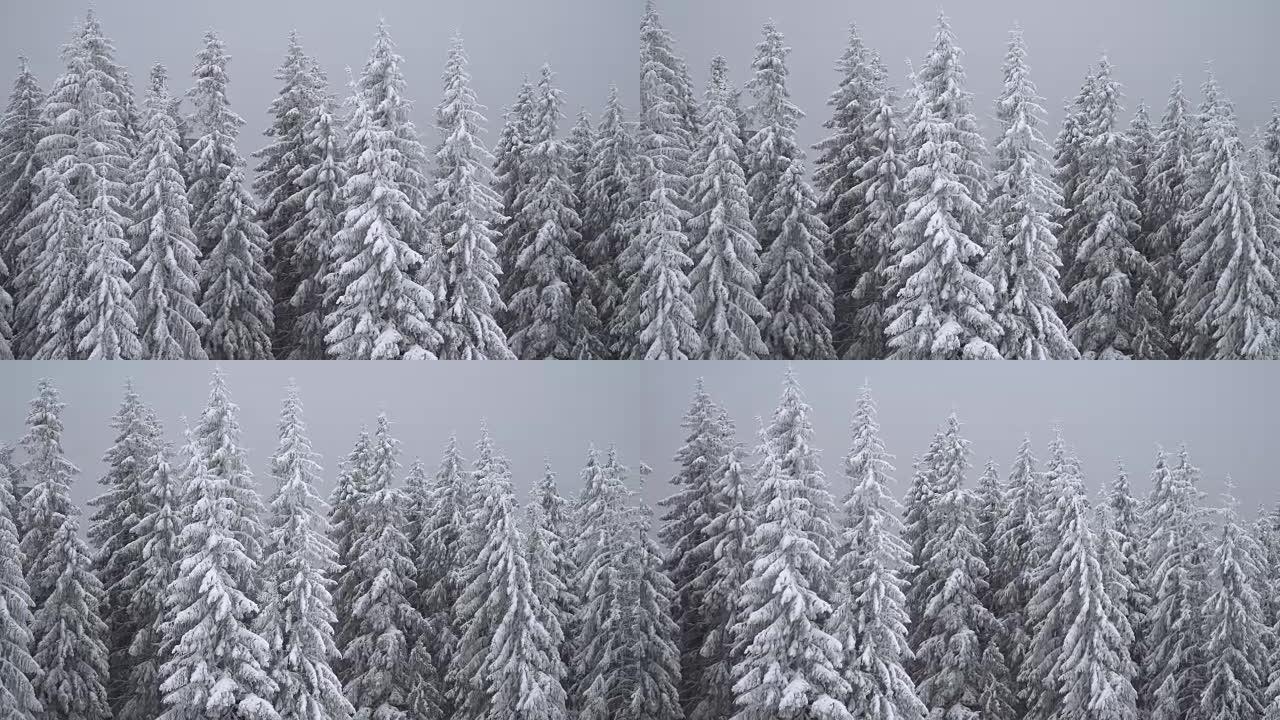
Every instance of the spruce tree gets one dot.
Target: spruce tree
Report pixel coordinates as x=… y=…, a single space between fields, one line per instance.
x=319 y=191
x=1235 y=634
x=465 y=216
x=1173 y=630
x=870 y=621
x=1142 y=144
x=652 y=648
x=551 y=567
x=958 y=660
x=234 y=281
x=216 y=661
x=521 y=664
x=1107 y=272
x=297 y=619
x=728 y=533
x=879 y=189
x=19 y=133
x=156 y=542
x=108 y=326
x=941 y=306
x=511 y=177
x=165 y=252
x=382 y=623
x=547 y=278
x=1128 y=526
x=1165 y=208
x=838 y=176
x=1070 y=166
x=1230 y=296
x=70 y=636
x=688 y=512
x=378 y=309
x=440 y=560
x=17 y=668
x=722 y=241
x=658 y=59
x=1013 y=570
x=50 y=261
x=771 y=151
x=349 y=493
x=581 y=138
x=47 y=504
x=1023 y=264
x=213 y=155
x=123 y=503
x=287 y=156
x=605 y=212
x=789 y=661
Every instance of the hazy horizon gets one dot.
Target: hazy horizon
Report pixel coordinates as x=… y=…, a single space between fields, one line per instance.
x=1107 y=411
x=592 y=45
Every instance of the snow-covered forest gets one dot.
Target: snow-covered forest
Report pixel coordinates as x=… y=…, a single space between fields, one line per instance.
x=759 y=589
x=693 y=226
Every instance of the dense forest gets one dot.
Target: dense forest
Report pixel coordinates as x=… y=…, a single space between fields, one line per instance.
x=694 y=228
x=765 y=590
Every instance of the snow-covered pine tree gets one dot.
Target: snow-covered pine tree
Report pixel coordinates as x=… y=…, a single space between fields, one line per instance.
x=727 y=535
x=156 y=544
x=551 y=566
x=108 y=322
x=688 y=512
x=516 y=657
x=870 y=620
x=651 y=638
x=47 y=504
x=842 y=155
x=1165 y=208
x=287 y=156
x=464 y=216
x=319 y=192
x=581 y=138
x=121 y=506
x=547 y=278
x=50 y=260
x=165 y=253
x=789 y=662
x=378 y=676
x=599 y=673
x=657 y=54
x=1142 y=146
x=772 y=148
x=19 y=163
x=918 y=521
x=1077 y=645
x=958 y=659
x=349 y=493
x=1227 y=305
x=1235 y=634
x=483 y=602
x=1174 y=626
x=1107 y=272
x=217 y=662
x=605 y=204
x=235 y=284
x=297 y=618
x=213 y=154
x=511 y=176
x=1070 y=165
x=941 y=306
x=879 y=190
x=1127 y=524
x=1265 y=197
x=1012 y=571
x=439 y=559
x=722 y=240
x=70 y=636
x=795 y=277
x=378 y=308
x=17 y=668
x=1023 y=265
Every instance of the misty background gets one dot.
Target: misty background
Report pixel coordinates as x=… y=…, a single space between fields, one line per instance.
x=593 y=43
x=1225 y=412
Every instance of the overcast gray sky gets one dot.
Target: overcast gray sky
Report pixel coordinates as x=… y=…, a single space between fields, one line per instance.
x=592 y=43
x=1225 y=412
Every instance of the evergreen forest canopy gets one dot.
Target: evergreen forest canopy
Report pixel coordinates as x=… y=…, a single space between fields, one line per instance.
x=764 y=591
x=694 y=227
